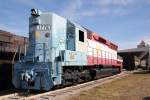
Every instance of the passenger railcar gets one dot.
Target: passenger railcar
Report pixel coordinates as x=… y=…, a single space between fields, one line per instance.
x=61 y=53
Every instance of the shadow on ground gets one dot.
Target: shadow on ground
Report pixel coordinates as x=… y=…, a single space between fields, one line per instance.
x=146 y=98
x=142 y=72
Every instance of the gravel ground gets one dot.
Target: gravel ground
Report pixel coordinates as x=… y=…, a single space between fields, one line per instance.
x=133 y=87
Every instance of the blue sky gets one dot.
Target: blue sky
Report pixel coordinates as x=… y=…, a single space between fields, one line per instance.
x=125 y=22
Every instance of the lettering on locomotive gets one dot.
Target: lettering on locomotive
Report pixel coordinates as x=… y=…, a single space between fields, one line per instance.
x=72 y=55
x=44 y=27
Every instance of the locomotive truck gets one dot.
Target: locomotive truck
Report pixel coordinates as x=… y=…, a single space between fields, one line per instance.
x=61 y=52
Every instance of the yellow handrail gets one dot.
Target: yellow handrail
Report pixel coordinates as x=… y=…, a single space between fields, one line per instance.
x=13 y=60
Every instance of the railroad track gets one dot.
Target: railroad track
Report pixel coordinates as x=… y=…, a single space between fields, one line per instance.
x=64 y=92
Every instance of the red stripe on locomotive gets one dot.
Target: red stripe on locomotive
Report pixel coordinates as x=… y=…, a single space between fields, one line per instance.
x=96 y=60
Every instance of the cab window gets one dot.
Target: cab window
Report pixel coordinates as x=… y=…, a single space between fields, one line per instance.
x=81 y=36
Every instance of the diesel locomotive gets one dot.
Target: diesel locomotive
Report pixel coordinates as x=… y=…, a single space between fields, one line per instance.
x=61 y=52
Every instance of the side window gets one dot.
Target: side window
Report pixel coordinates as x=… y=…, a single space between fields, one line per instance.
x=81 y=36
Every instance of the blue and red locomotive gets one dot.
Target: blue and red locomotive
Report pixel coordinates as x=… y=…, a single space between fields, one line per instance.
x=61 y=52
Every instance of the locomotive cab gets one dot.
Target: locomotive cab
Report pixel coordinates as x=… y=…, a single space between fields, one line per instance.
x=54 y=42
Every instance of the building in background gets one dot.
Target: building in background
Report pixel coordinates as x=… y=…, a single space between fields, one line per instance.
x=11 y=48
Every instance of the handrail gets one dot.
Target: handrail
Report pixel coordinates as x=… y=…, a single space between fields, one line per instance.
x=13 y=60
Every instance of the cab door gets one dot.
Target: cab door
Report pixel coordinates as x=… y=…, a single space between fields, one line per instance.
x=70 y=36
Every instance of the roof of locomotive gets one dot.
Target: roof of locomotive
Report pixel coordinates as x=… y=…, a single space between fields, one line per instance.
x=96 y=37
x=90 y=34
